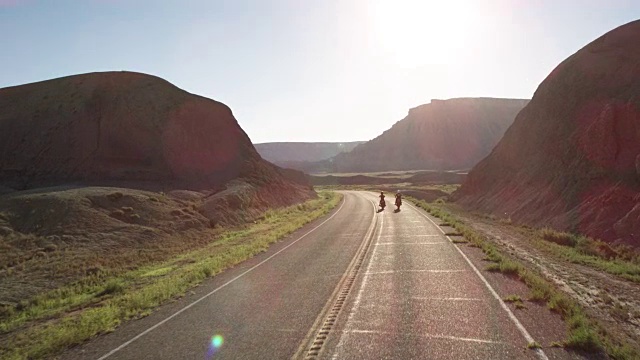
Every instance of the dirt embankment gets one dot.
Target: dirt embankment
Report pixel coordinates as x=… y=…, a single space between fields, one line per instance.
x=571 y=159
x=95 y=166
x=612 y=300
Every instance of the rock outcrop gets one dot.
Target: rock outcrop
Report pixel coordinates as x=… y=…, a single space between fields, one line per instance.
x=570 y=159
x=443 y=135
x=132 y=130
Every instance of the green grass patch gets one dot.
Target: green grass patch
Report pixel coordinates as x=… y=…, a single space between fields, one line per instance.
x=516 y=300
x=616 y=260
x=512 y=298
x=97 y=304
x=584 y=334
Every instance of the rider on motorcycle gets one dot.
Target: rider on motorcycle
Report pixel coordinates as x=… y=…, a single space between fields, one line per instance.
x=398 y=199
x=382 y=203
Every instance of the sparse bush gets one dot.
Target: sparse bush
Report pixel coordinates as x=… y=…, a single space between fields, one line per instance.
x=113 y=286
x=560 y=238
x=512 y=298
x=493 y=267
x=561 y=304
x=533 y=345
x=127 y=209
x=584 y=339
x=134 y=217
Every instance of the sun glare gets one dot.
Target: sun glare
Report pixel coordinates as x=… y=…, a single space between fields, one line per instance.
x=414 y=33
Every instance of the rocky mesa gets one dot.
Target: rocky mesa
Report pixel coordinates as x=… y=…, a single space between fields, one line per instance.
x=443 y=135
x=571 y=159
x=291 y=154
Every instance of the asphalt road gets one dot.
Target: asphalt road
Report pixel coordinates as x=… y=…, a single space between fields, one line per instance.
x=356 y=284
x=420 y=298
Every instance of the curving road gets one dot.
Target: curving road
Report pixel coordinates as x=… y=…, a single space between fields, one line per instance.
x=356 y=284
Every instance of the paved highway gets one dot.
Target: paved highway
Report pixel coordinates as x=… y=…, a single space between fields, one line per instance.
x=357 y=284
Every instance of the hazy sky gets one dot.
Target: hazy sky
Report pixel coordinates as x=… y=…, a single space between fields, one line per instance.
x=308 y=70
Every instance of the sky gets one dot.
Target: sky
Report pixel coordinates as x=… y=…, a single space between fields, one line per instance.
x=308 y=70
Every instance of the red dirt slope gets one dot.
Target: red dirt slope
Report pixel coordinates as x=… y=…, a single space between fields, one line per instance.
x=571 y=159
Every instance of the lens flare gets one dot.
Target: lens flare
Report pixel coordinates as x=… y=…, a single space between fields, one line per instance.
x=217 y=341
x=214 y=345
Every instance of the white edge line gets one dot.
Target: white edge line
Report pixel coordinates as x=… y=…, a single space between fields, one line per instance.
x=216 y=289
x=513 y=318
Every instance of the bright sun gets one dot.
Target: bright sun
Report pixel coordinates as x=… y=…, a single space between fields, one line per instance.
x=414 y=33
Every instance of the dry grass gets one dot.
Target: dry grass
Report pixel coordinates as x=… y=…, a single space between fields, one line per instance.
x=99 y=302
x=617 y=260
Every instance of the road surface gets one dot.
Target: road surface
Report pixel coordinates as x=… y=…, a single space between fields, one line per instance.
x=356 y=284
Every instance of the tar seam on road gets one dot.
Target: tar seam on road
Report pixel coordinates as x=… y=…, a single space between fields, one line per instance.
x=312 y=348
x=216 y=289
x=513 y=318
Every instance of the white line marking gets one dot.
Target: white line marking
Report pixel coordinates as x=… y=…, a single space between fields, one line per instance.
x=430 y=336
x=410 y=271
x=513 y=318
x=444 y=299
x=216 y=289
x=413 y=243
x=410 y=235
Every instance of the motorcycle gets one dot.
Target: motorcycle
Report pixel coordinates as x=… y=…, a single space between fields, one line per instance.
x=382 y=204
x=398 y=203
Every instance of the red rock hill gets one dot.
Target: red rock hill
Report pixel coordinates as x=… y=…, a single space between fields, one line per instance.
x=571 y=159
x=129 y=128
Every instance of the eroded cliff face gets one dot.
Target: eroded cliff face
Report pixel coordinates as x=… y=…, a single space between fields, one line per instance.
x=570 y=160
x=117 y=126
x=443 y=135
x=136 y=131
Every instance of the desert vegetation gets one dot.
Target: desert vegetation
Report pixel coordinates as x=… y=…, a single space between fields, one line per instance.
x=585 y=333
x=99 y=301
